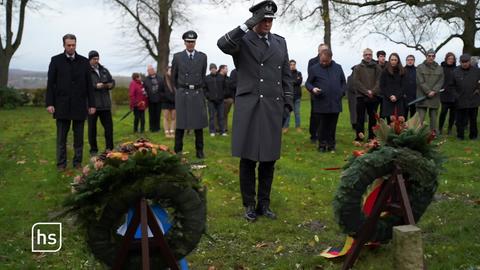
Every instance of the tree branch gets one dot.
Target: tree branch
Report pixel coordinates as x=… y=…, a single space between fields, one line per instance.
x=136 y=17
x=21 y=23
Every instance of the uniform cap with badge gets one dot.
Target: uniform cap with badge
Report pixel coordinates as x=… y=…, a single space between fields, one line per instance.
x=268 y=8
x=190 y=36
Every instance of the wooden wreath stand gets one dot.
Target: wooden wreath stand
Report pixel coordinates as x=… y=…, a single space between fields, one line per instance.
x=144 y=215
x=399 y=204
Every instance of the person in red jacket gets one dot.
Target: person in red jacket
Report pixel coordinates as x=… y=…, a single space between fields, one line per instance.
x=138 y=102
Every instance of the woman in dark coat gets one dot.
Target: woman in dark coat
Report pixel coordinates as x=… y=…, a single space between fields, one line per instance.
x=392 y=89
x=447 y=97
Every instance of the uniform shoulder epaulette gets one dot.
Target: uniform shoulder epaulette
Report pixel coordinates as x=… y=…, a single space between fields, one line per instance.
x=279 y=36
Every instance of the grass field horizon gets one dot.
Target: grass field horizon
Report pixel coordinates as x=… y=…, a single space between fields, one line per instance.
x=31 y=190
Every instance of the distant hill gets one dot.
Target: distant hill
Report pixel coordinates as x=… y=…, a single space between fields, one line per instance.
x=27 y=79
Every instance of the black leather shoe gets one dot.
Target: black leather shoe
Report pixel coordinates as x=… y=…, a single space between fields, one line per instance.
x=200 y=154
x=250 y=214
x=266 y=212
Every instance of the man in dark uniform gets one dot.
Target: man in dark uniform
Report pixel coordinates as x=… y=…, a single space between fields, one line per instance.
x=264 y=94
x=103 y=83
x=188 y=72
x=69 y=98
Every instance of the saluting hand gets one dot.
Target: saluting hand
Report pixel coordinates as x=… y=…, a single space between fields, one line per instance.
x=255 y=19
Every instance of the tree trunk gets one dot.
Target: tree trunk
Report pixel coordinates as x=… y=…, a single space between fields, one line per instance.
x=164 y=32
x=468 y=35
x=8 y=49
x=4 y=64
x=327 y=23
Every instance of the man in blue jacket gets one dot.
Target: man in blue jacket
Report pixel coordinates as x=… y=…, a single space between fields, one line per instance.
x=326 y=82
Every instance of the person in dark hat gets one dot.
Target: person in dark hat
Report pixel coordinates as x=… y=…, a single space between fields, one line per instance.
x=264 y=94
x=467 y=87
x=103 y=83
x=69 y=98
x=188 y=73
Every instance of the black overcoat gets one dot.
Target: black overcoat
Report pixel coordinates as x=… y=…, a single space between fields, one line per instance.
x=392 y=85
x=264 y=88
x=189 y=78
x=69 y=87
x=466 y=83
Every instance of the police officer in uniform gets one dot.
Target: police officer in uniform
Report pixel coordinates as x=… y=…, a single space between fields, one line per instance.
x=188 y=72
x=264 y=94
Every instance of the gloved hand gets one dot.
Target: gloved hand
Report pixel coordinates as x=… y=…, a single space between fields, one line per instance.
x=255 y=19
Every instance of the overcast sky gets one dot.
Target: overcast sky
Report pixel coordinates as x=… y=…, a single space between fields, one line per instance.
x=96 y=26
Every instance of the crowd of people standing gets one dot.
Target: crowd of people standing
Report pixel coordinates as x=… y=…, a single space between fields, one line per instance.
x=264 y=89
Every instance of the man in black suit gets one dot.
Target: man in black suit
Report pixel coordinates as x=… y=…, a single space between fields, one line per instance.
x=70 y=98
x=188 y=72
x=264 y=94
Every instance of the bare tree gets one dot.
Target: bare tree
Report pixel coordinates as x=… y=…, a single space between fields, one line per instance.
x=317 y=12
x=9 y=42
x=415 y=23
x=153 y=21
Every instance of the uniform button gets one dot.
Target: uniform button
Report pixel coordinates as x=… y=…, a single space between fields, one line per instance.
x=261 y=64
x=278 y=98
x=278 y=83
x=261 y=96
x=279 y=67
x=186 y=93
x=261 y=80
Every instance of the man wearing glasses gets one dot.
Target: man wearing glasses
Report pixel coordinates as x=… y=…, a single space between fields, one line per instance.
x=188 y=72
x=366 y=81
x=429 y=82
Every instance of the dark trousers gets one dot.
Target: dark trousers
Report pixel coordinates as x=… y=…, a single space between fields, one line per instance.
x=215 y=108
x=63 y=126
x=248 y=183
x=139 y=116
x=447 y=106
x=154 y=110
x=227 y=106
x=410 y=110
x=179 y=133
x=313 y=127
x=326 y=129
x=371 y=108
x=467 y=117
x=106 y=121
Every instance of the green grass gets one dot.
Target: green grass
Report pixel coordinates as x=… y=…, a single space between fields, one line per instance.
x=31 y=190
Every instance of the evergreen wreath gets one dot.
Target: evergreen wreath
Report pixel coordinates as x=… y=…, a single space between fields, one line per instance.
x=115 y=181
x=406 y=144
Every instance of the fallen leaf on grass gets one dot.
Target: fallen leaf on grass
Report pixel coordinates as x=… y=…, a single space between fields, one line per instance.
x=262 y=245
x=279 y=249
x=21 y=162
x=39 y=256
x=198 y=167
x=42 y=161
